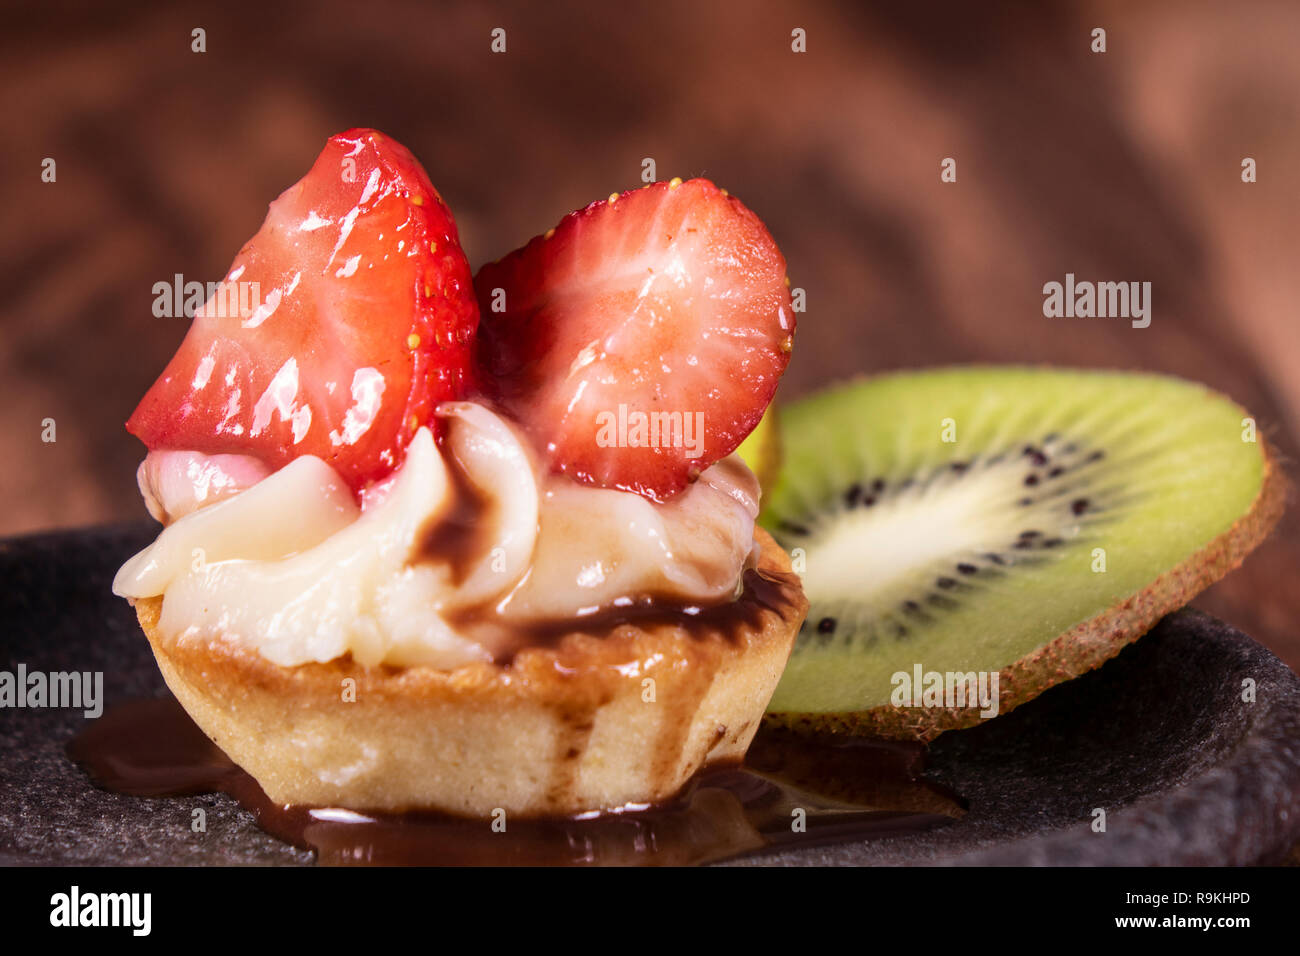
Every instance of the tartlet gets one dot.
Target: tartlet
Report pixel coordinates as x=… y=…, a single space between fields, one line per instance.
x=379 y=463
x=561 y=729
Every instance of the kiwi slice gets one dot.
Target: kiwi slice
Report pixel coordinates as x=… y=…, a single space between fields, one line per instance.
x=1022 y=522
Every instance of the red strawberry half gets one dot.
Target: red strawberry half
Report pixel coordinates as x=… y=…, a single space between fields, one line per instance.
x=362 y=320
x=641 y=339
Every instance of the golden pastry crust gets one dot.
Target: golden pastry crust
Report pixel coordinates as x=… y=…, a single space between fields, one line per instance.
x=589 y=721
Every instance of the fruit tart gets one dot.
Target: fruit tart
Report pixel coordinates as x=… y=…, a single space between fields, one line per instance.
x=470 y=544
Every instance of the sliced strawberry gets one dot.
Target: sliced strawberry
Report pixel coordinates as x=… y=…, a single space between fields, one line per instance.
x=670 y=300
x=366 y=321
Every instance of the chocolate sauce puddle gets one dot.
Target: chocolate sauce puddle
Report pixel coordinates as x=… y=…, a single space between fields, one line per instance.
x=851 y=789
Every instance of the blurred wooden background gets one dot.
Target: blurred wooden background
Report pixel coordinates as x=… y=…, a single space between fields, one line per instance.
x=1123 y=165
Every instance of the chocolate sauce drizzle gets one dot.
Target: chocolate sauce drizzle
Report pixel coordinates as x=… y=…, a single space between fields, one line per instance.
x=792 y=790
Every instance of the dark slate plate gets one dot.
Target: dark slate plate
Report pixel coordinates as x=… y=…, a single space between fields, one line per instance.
x=1159 y=738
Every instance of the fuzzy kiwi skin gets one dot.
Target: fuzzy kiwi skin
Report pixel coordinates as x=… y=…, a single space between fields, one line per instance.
x=1082 y=648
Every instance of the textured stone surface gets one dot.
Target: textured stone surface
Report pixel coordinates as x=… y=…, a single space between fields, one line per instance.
x=1159 y=738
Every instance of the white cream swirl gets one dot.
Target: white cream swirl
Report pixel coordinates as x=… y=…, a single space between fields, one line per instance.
x=293 y=567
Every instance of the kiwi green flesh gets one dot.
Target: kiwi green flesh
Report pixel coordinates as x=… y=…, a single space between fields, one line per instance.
x=761 y=449
x=1018 y=520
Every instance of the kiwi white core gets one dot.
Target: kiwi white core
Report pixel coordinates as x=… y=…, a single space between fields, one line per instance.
x=870 y=553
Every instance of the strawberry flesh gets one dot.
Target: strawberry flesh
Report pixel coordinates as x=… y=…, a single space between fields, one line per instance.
x=363 y=319
x=614 y=337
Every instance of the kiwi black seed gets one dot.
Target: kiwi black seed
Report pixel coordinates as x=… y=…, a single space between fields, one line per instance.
x=1025 y=521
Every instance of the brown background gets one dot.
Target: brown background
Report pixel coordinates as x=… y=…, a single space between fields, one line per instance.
x=1123 y=165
